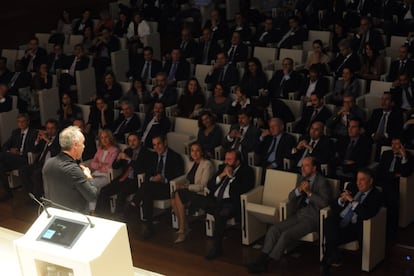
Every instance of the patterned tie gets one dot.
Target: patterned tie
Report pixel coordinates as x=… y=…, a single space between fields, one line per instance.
x=381 y=125
x=348 y=214
x=160 y=165
x=171 y=75
x=271 y=154
x=238 y=140
x=222 y=188
x=231 y=53
x=394 y=163
x=145 y=72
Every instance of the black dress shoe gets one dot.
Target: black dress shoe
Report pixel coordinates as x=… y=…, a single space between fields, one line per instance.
x=214 y=253
x=257 y=267
x=6 y=197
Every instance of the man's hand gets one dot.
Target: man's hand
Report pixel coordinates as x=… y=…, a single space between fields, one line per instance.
x=346 y=196
x=86 y=172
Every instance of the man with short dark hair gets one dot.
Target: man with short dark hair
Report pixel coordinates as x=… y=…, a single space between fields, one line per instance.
x=155 y=123
x=284 y=81
x=34 y=56
x=222 y=71
x=147 y=68
x=177 y=68
x=401 y=65
x=161 y=92
x=127 y=122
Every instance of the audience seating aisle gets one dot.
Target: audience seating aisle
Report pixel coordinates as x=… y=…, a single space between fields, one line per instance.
x=157 y=71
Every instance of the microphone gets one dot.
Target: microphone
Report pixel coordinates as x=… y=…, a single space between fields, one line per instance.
x=40 y=204
x=67 y=209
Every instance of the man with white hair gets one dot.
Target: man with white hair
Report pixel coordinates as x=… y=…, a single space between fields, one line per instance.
x=65 y=181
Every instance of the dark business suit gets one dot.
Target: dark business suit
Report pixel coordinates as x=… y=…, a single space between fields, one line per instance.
x=283 y=150
x=336 y=235
x=7 y=105
x=121 y=186
x=149 y=191
x=396 y=68
x=321 y=87
x=295 y=38
x=305 y=123
x=279 y=89
x=212 y=49
x=239 y=54
x=5 y=76
x=66 y=80
x=229 y=76
x=182 y=71
x=322 y=152
x=188 y=48
x=248 y=143
x=162 y=127
x=41 y=57
x=393 y=127
x=265 y=37
x=281 y=110
x=353 y=62
x=56 y=62
x=23 y=80
x=66 y=184
x=131 y=125
x=169 y=97
x=398 y=95
x=220 y=32
x=374 y=39
x=155 y=66
x=304 y=218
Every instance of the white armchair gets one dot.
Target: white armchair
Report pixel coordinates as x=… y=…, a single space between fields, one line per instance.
x=260 y=206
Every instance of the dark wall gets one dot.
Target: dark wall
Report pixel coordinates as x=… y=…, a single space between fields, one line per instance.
x=20 y=19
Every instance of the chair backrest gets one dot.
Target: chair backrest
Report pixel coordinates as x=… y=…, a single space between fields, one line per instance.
x=8 y=122
x=307 y=46
x=43 y=39
x=187 y=162
x=387 y=64
x=265 y=55
x=372 y=101
x=86 y=110
x=153 y=26
x=75 y=39
x=324 y=36
x=48 y=104
x=126 y=85
x=86 y=85
x=187 y=126
x=257 y=175
x=11 y=55
x=379 y=87
x=120 y=64
x=141 y=116
x=153 y=40
x=295 y=106
x=295 y=54
x=277 y=186
x=397 y=41
x=14 y=103
x=362 y=87
x=201 y=72
x=335 y=186
x=123 y=42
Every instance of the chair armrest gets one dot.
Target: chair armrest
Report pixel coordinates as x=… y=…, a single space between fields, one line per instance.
x=253 y=196
x=140 y=179
x=181 y=180
x=293 y=95
x=219 y=153
x=170 y=111
x=291 y=125
x=187 y=145
x=32 y=157
x=251 y=158
x=114 y=173
x=284 y=210
x=325 y=169
x=327 y=99
x=384 y=77
x=287 y=164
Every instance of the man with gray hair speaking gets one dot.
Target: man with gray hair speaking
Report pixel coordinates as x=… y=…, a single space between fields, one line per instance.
x=65 y=181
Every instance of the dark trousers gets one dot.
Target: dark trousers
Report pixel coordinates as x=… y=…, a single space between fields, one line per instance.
x=121 y=189
x=9 y=162
x=149 y=192
x=392 y=202
x=335 y=236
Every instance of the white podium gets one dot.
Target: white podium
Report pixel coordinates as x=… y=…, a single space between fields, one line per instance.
x=66 y=242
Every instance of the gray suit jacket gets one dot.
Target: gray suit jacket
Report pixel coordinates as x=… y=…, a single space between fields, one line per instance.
x=321 y=194
x=65 y=183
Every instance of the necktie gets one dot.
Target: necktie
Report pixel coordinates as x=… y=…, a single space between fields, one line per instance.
x=314 y=114
x=237 y=141
x=381 y=125
x=145 y=72
x=348 y=214
x=306 y=153
x=221 y=75
x=73 y=67
x=402 y=66
x=231 y=53
x=13 y=79
x=271 y=154
x=205 y=53
x=222 y=188
x=129 y=170
x=394 y=163
x=171 y=75
x=349 y=150
x=121 y=126
x=21 y=143
x=160 y=165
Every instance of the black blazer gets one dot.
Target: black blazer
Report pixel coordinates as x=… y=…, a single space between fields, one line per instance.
x=213 y=49
x=82 y=63
x=323 y=151
x=305 y=122
x=250 y=140
x=353 y=62
x=296 y=38
x=385 y=177
x=140 y=165
x=269 y=37
x=220 y=32
x=53 y=148
x=162 y=128
x=397 y=93
x=133 y=125
x=239 y=55
x=321 y=87
x=174 y=165
x=286 y=143
x=14 y=140
x=395 y=69
x=281 y=110
x=190 y=50
x=182 y=72
x=243 y=182
x=95 y=118
x=281 y=91
x=375 y=39
x=59 y=63
x=169 y=97
x=394 y=125
x=156 y=67
x=231 y=76
x=41 y=57
x=23 y=80
x=361 y=153
x=7 y=105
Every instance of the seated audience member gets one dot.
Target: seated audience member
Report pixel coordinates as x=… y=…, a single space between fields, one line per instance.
x=353 y=151
x=127 y=122
x=155 y=124
x=219 y=28
x=339 y=33
x=316 y=145
x=242 y=27
x=57 y=59
x=100 y=116
x=339 y=122
x=148 y=67
x=232 y=179
x=177 y=68
x=187 y=44
x=84 y=22
x=372 y=64
x=133 y=161
x=164 y=165
x=135 y=94
x=236 y=51
x=197 y=178
x=78 y=62
x=102 y=161
x=367 y=34
x=161 y=91
x=311 y=194
x=314 y=83
x=207 y=48
x=42 y=79
x=403 y=92
x=34 y=56
x=243 y=136
x=254 y=78
x=137 y=30
x=6 y=102
x=192 y=100
x=5 y=73
x=394 y=163
x=103 y=45
x=294 y=36
x=90 y=143
x=408 y=130
x=385 y=122
x=243 y=101
x=284 y=81
x=360 y=201
x=209 y=133
x=317 y=111
x=401 y=65
x=219 y=103
x=14 y=152
x=346 y=58
x=223 y=72
x=318 y=56
x=18 y=80
x=46 y=145
x=111 y=90
x=275 y=145
x=105 y=22
x=267 y=35
x=121 y=26
x=348 y=85
x=68 y=111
